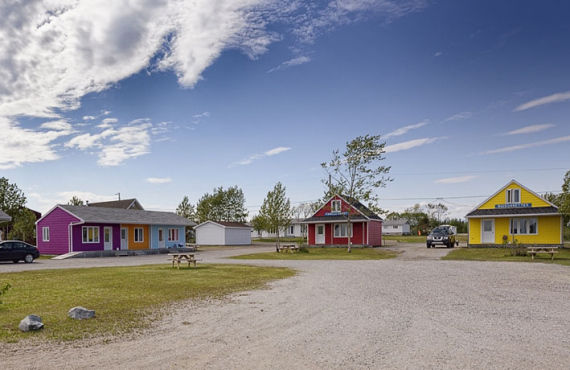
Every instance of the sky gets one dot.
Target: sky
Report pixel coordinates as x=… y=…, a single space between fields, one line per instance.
x=156 y=100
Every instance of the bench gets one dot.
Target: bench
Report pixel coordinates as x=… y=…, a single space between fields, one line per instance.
x=544 y=250
x=177 y=258
x=193 y=247
x=288 y=248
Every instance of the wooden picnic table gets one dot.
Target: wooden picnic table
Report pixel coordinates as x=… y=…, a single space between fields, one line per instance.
x=176 y=258
x=288 y=248
x=546 y=250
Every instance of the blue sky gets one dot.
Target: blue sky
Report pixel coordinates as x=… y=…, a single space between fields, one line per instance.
x=170 y=99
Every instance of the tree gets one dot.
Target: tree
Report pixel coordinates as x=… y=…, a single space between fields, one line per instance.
x=259 y=223
x=222 y=205
x=24 y=227
x=302 y=211
x=436 y=211
x=186 y=209
x=12 y=200
x=75 y=201
x=276 y=210
x=357 y=173
x=562 y=200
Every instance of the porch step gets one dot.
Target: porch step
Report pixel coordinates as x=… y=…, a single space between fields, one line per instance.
x=65 y=256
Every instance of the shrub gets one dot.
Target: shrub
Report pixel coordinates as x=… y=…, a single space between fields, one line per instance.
x=303 y=250
x=3 y=290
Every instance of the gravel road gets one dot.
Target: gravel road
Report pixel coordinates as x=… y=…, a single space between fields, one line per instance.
x=410 y=312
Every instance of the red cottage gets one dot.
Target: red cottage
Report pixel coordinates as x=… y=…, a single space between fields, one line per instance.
x=328 y=226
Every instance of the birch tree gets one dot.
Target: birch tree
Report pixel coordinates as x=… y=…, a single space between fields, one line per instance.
x=276 y=210
x=357 y=173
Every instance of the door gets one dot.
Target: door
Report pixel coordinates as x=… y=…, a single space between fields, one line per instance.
x=161 y=242
x=488 y=231
x=320 y=234
x=124 y=238
x=108 y=238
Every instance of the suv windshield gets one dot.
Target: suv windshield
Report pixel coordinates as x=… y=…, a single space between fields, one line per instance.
x=439 y=230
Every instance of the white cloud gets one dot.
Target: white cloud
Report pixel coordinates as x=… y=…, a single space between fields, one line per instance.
x=107 y=122
x=44 y=202
x=58 y=125
x=116 y=145
x=530 y=129
x=455 y=180
x=405 y=129
x=254 y=157
x=198 y=118
x=291 y=63
x=88 y=118
x=411 y=144
x=459 y=116
x=554 y=98
x=158 y=180
x=438 y=54
x=529 y=145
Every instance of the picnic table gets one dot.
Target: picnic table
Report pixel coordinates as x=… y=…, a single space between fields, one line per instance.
x=288 y=248
x=177 y=258
x=546 y=250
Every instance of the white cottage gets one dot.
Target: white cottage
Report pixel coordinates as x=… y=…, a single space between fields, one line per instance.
x=223 y=233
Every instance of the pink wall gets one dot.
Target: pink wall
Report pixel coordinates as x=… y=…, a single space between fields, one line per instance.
x=58 y=222
x=375 y=229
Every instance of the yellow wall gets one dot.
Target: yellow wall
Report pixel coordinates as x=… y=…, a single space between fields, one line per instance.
x=526 y=197
x=146 y=239
x=548 y=231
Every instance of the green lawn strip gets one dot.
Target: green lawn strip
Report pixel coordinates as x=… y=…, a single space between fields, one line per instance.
x=503 y=254
x=282 y=240
x=124 y=298
x=323 y=254
x=418 y=238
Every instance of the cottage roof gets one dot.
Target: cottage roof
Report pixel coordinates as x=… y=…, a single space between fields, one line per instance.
x=397 y=222
x=4 y=217
x=365 y=212
x=126 y=216
x=227 y=224
x=362 y=208
x=505 y=212
x=123 y=204
x=338 y=218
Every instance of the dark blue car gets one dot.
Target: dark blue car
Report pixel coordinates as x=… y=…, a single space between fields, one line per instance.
x=15 y=250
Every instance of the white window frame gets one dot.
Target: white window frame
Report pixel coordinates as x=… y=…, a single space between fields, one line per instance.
x=85 y=234
x=45 y=234
x=528 y=221
x=335 y=208
x=171 y=232
x=340 y=234
x=141 y=229
x=511 y=195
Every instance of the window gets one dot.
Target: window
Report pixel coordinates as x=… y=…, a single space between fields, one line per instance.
x=335 y=205
x=139 y=235
x=90 y=234
x=394 y=226
x=513 y=195
x=45 y=234
x=173 y=235
x=291 y=230
x=340 y=230
x=524 y=226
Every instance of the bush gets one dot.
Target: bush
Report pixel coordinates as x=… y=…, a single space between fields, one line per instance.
x=518 y=251
x=303 y=250
x=3 y=290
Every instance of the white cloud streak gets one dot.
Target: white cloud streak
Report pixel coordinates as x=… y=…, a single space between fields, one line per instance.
x=459 y=116
x=405 y=129
x=291 y=63
x=529 y=145
x=554 y=98
x=530 y=129
x=455 y=180
x=158 y=180
x=406 y=145
x=254 y=157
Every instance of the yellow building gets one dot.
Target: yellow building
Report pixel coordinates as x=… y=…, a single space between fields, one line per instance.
x=515 y=214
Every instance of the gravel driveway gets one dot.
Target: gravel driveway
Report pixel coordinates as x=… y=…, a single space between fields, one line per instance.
x=399 y=313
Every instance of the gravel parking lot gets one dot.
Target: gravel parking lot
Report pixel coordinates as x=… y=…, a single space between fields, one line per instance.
x=409 y=312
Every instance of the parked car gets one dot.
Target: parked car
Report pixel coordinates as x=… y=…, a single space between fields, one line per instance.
x=441 y=235
x=16 y=250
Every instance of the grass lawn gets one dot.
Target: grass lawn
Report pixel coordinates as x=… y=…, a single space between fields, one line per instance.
x=282 y=240
x=124 y=298
x=323 y=254
x=418 y=238
x=502 y=254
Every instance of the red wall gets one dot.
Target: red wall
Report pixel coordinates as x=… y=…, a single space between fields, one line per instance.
x=311 y=234
x=375 y=229
x=358 y=230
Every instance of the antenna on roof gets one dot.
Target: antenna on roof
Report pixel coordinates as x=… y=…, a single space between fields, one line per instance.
x=119 y=195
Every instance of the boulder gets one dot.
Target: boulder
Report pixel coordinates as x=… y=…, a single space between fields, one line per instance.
x=31 y=323
x=80 y=313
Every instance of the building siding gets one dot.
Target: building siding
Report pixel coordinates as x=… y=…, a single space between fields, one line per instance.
x=235 y=236
x=145 y=244
x=526 y=197
x=167 y=243
x=58 y=222
x=548 y=228
x=79 y=246
x=375 y=229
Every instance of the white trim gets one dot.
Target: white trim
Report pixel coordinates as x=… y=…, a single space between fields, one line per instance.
x=44 y=229
x=504 y=187
x=494 y=231
x=510 y=226
x=135 y=235
x=177 y=234
x=348 y=231
x=98 y=235
x=60 y=207
x=336 y=195
x=515 y=215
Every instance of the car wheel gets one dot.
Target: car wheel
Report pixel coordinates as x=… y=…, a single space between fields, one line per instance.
x=15 y=261
x=429 y=246
x=29 y=258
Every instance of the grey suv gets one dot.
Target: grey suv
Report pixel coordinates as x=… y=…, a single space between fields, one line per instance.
x=441 y=235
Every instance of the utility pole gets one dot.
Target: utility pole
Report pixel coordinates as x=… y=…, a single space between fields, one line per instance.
x=119 y=195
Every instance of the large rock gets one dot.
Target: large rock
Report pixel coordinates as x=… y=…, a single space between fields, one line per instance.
x=80 y=313
x=31 y=323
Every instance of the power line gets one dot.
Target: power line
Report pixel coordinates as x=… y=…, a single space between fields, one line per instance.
x=479 y=171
